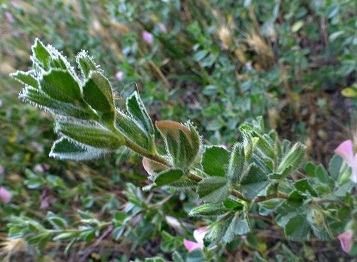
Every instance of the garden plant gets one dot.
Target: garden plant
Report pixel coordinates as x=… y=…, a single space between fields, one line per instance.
x=221 y=184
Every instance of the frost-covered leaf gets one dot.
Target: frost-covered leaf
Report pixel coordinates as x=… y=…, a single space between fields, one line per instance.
x=182 y=142
x=94 y=136
x=25 y=78
x=97 y=92
x=86 y=63
x=129 y=128
x=61 y=85
x=39 y=98
x=136 y=109
x=67 y=150
x=41 y=55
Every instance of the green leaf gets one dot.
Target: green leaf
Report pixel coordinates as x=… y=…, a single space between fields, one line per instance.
x=37 y=238
x=233 y=204
x=182 y=142
x=56 y=221
x=118 y=232
x=268 y=207
x=61 y=85
x=297 y=228
x=209 y=210
x=334 y=167
x=25 y=78
x=304 y=185
x=176 y=257
x=97 y=92
x=137 y=110
x=129 y=128
x=239 y=225
x=120 y=216
x=42 y=244
x=40 y=99
x=91 y=135
x=215 y=161
x=66 y=235
x=183 y=183
x=247 y=144
x=297 y=26
x=293 y=158
x=64 y=149
x=236 y=163
x=264 y=147
x=309 y=169
x=335 y=35
x=155 y=259
x=86 y=63
x=213 y=189
x=323 y=176
x=282 y=174
x=253 y=181
x=41 y=54
x=167 y=177
x=69 y=246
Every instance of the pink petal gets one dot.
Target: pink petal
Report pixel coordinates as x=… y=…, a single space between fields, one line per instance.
x=199 y=234
x=119 y=75
x=147 y=37
x=345 y=150
x=190 y=246
x=39 y=168
x=5 y=195
x=346 y=240
x=354 y=169
x=162 y=28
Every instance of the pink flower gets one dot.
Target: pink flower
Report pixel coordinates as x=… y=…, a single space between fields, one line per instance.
x=249 y=66
x=345 y=150
x=147 y=37
x=162 y=27
x=199 y=235
x=346 y=240
x=119 y=75
x=39 y=168
x=9 y=17
x=5 y=195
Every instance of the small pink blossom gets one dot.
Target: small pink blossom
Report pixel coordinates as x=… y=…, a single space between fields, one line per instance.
x=119 y=75
x=345 y=150
x=249 y=66
x=39 y=168
x=9 y=17
x=346 y=240
x=162 y=28
x=5 y=195
x=45 y=198
x=199 y=235
x=147 y=37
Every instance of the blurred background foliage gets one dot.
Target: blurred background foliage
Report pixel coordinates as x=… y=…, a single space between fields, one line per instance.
x=218 y=63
